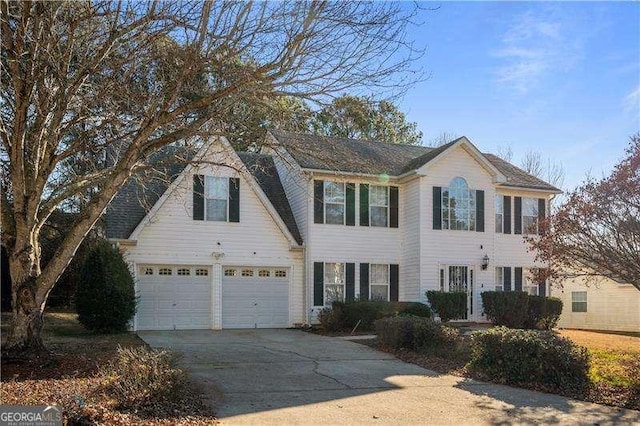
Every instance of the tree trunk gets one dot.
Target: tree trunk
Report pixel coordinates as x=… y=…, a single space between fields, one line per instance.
x=25 y=338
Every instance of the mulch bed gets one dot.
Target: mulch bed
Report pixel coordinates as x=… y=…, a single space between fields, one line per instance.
x=70 y=381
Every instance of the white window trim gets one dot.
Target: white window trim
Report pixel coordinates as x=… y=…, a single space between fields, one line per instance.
x=379 y=205
x=501 y=214
x=211 y=198
x=344 y=203
x=526 y=230
x=499 y=282
x=585 y=301
x=343 y=283
x=388 y=283
x=472 y=194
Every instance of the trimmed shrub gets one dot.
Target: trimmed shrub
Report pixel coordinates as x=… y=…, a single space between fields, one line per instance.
x=448 y=305
x=508 y=308
x=543 y=312
x=415 y=333
x=105 y=298
x=538 y=358
x=415 y=309
x=342 y=316
x=141 y=378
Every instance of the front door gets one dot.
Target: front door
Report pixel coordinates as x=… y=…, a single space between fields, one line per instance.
x=461 y=280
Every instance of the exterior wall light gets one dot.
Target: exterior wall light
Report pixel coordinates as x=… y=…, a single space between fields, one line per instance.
x=485 y=262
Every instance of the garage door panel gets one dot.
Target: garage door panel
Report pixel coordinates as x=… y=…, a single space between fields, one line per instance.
x=174 y=301
x=255 y=301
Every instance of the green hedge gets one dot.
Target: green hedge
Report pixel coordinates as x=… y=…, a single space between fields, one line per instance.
x=543 y=312
x=343 y=316
x=508 y=308
x=448 y=305
x=415 y=333
x=531 y=357
x=516 y=309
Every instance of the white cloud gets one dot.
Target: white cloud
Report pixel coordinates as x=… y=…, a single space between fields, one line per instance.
x=535 y=46
x=631 y=102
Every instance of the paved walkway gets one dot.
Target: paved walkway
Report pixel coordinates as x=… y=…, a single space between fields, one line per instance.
x=290 y=377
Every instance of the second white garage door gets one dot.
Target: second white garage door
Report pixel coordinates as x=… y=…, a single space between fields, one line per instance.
x=255 y=297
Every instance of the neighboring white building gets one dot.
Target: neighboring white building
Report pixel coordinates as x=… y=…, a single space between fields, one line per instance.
x=275 y=237
x=599 y=305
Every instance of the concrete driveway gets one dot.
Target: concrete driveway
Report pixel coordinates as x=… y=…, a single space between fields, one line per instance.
x=292 y=377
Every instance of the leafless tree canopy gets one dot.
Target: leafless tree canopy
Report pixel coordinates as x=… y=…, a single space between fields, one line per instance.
x=90 y=90
x=548 y=170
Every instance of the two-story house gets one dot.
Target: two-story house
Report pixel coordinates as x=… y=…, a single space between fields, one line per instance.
x=266 y=240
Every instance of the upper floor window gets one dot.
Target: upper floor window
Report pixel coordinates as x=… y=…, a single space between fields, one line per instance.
x=378 y=205
x=458 y=206
x=216 y=198
x=334 y=281
x=499 y=208
x=334 y=202
x=530 y=215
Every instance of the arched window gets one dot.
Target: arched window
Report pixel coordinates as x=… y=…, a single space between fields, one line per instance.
x=458 y=206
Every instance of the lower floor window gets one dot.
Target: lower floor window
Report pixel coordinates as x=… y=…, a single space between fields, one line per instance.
x=379 y=282
x=578 y=301
x=333 y=282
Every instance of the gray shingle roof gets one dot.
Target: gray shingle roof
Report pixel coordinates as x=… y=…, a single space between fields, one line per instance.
x=137 y=196
x=370 y=157
x=265 y=173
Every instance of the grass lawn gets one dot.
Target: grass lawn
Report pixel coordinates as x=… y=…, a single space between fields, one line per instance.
x=68 y=378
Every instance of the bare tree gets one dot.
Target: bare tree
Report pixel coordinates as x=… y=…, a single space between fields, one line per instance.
x=505 y=152
x=117 y=81
x=550 y=171
x=442 y=139
x=595 y=232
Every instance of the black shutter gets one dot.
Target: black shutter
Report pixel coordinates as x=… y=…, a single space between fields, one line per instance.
x=318 y=201
x=479 y=210
x=364 y=204
x=364 y=281
x=198 y=197
x=393 y=206
x=542 y=289
x=507 y=279
x=437 y=207
x=394 y=277
x=517 y=284
x=350 y=281
x=351 y=204
x=506 y=215
x=234 y=199
x=541 y=213
x=318 y=284
x=517 y=215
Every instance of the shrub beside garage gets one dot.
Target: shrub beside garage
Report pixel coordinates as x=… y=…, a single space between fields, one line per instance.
x=347 y=315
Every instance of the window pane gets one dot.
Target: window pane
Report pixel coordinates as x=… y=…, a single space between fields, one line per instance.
x=499 y=211
x=216 y=187
x=379 y=274
x=378 y=195
x=529 y=207
x=334 y=273
x=334 y=214
x=378 y=216
x=529 y=224
x=379 y=292
x=217 y=210
x=499 y=276
x=333 y=192
x=333 y=292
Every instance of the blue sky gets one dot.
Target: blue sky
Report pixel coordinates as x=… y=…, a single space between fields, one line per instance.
x=562 y=78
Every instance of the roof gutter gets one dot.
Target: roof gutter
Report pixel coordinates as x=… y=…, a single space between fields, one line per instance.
x=338 y=173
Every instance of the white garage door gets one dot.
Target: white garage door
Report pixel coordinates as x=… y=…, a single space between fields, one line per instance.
x=255 y=297
x=174 y=297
